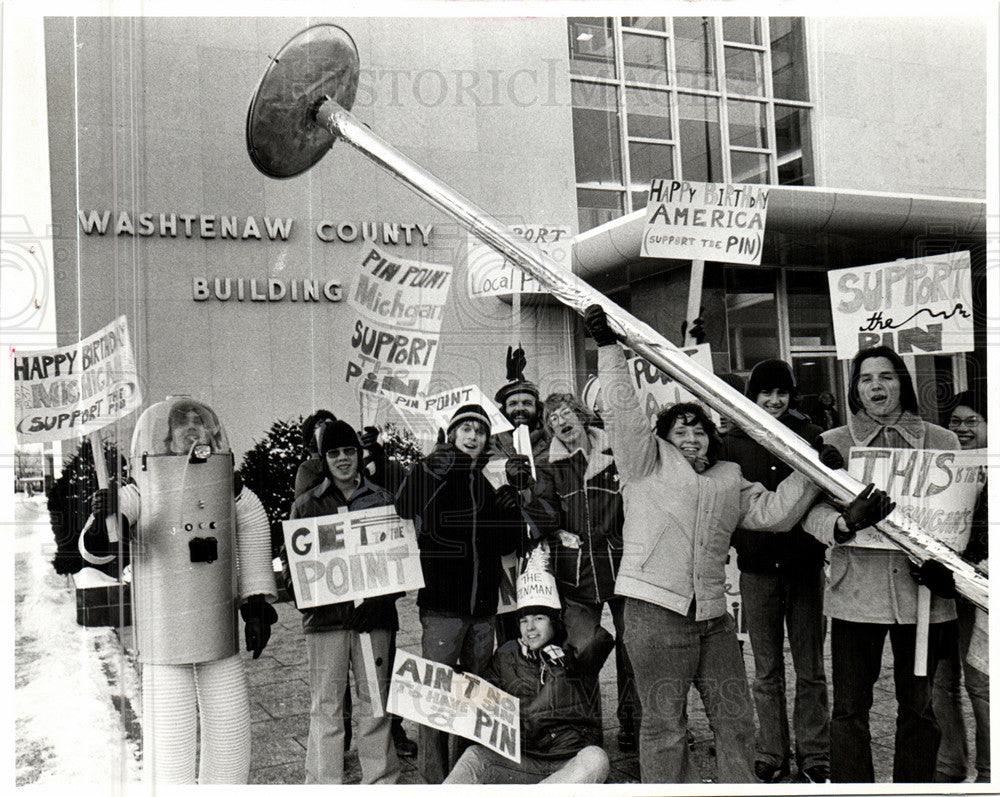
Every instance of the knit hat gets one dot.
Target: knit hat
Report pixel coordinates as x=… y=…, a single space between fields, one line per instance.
x=770 y=375
x=516 y=383
x=470 y=412
x=337 y=434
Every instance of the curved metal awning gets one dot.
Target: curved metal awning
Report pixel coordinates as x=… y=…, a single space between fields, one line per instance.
x=805 y=212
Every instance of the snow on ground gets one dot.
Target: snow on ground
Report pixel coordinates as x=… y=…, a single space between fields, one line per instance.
x=69 y=681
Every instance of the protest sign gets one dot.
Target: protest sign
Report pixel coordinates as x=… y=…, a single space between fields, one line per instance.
x=400 y=304
x=705 y=221
x=656 y=389
x=423 y=414
x=734 y=598
x=936 y=489
x=491 y=274
x=510 y=563
x=463 y=704
x=922 y=305
x=76 y=390
x=351 y=556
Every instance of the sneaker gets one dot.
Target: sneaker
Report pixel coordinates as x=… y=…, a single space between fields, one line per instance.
x=771 y=773
x=405 y=746
x=817 y=773
x=627 y=741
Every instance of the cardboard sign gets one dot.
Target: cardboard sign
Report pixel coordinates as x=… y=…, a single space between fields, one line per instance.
x=491 y=274
x=434 y=695
x=936 y=489
x=351 y=555
x=400 y=304
x=424 y=415
x=921 y=305
x=656 y=389
x=75 y=390
x=705 y=221
x=734 y=598
x=510 y=563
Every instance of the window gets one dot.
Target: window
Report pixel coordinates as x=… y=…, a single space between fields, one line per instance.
x=699 y=98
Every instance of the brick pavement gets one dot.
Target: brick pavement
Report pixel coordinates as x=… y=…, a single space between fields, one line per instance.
x=279 y=694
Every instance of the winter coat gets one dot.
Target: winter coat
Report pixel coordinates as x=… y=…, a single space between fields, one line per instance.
x=462 y=532
x=869 y=585
x=765 y=553
x=678 y=523
x=586 y=489
x=557 y=718
x=327 y=499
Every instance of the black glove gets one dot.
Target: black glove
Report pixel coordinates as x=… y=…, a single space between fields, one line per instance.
x=518 y=470
x=697 y=331
x=828 y=455
x=374 y=453
x=869 y=507
x=595 y=320
x=516 y=361
x=259 y=616
x=440 y=460
x=507 y=498
x=937 y=577
x=104 y=502
x=362 y=620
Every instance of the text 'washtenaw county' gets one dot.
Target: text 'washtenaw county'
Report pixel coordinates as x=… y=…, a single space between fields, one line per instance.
x=244 y=228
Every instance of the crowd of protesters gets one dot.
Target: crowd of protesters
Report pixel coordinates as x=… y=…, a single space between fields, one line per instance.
x=637 y=520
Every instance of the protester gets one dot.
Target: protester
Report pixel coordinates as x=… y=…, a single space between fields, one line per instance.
x=560 y=733
x=781 y=584
x=518 y=401
x=968 y=422
x=825 y=414
x=464 y=526
x=578 y=475
x=194 y=684
x=311 y=472
x=333 y=632
x=873 y=592
x=681 y=507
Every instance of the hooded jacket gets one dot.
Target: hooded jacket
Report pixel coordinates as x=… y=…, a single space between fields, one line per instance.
x=678 y=523
x=462 y=532
x=586 y=488
x=765 y=553
x=869 y=585
x=557 y=718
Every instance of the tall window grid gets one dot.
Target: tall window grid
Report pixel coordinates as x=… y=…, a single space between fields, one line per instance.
x=716 y=99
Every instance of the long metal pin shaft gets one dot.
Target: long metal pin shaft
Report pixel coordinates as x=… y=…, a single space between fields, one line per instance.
x=575 y=293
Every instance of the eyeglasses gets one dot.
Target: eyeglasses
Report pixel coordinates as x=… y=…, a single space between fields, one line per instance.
x=968 y=423
x=342 y=452
x=561 y=416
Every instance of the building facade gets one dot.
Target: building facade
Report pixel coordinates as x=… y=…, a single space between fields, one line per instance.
x=233 y=283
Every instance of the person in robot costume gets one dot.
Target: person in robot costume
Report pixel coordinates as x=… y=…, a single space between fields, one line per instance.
x=200 y=548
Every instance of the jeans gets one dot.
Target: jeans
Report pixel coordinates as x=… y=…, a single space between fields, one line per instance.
x=479 y=764
x=330 y=654
x=857 y=660
x=792 y=598
x=953 y=753
x=669 y=652
x=451 y=640
x=582 y=621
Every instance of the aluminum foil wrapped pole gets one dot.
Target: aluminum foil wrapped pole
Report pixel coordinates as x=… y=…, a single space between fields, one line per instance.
x=327 y=110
